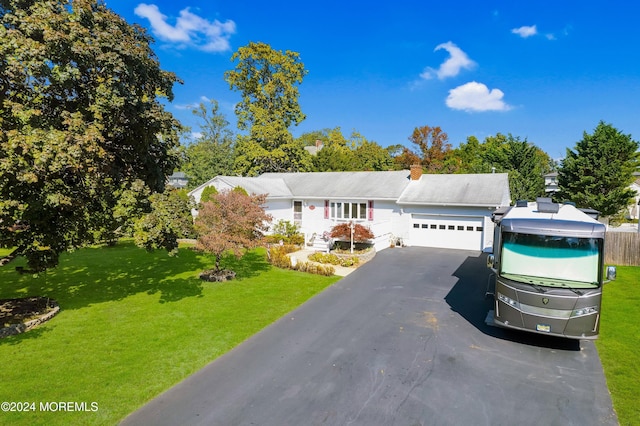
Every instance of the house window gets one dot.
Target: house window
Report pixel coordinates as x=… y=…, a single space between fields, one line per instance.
x=416 y=225
x=434 y=226
x=352 y=211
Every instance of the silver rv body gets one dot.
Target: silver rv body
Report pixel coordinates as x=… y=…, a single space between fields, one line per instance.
x=548 y=263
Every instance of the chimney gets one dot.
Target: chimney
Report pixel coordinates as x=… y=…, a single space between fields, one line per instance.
x=416 y=171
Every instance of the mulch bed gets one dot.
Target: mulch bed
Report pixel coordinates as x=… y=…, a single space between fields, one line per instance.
x=17 y=311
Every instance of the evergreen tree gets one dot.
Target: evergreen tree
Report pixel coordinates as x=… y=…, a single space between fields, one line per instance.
x=598 y=172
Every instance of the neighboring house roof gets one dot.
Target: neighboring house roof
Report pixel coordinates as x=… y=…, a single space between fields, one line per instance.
x=353 y=185
x=178 y=180
x=489 y=190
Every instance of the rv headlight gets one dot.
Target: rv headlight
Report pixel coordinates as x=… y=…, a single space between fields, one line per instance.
x=509 y=301
x=584 y=311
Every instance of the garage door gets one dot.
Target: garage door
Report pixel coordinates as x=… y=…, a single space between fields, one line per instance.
x=447 y=232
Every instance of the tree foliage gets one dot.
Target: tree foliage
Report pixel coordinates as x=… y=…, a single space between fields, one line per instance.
x=208 y=193
x=81 y=119
x=354 y=154
x=170 y=218
x=434 y=146
x=405 y=159
x=525 y=163
x=212 y=154
x=231 y=222
x=268 y=81
x=361 y=233
x=598 y=172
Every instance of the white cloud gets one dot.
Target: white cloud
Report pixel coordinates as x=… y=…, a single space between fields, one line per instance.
x=457 y=61
x=194 y=105
x=190 y=30
x=525 y=31
x=476 y=96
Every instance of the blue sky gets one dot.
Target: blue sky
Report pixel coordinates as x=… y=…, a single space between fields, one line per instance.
x=544 y=71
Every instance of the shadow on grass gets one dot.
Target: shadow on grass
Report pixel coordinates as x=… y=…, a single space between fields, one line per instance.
x=102 y=274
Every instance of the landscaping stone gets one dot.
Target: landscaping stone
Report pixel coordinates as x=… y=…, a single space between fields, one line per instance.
x=212 y=275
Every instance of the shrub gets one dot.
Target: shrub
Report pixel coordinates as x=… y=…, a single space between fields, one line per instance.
x=286 y=232
x=324 y=258
x=277 y=256
x=334 y=260
x=312 y=268
x=208 y=194
x=349 y=261
x=297 y=239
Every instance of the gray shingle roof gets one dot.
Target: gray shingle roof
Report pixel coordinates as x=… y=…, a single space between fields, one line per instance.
x=352 y=185
x=490 y=190
x=275 y=188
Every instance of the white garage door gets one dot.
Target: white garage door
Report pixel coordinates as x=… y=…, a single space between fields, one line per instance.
x=447 y=232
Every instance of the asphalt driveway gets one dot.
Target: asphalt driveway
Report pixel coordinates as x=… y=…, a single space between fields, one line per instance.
x=401 y=341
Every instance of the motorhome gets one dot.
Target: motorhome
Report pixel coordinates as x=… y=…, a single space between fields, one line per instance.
x=548 y=267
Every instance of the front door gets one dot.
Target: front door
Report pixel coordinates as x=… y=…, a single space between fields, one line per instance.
x=297 y=212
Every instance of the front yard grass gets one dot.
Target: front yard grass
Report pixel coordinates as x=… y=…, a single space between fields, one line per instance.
x=619 y=343
x=131 y=325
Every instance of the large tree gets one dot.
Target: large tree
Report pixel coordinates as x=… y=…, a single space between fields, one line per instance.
x=81 y=119
x=598 y=172
x=434 y=147
x=212 y=153
x=268 y=80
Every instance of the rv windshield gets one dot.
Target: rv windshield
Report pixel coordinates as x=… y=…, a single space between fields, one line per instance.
x=551 y=261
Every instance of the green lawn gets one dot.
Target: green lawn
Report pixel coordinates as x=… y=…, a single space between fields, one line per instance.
x=132 y=324
x=619 y=343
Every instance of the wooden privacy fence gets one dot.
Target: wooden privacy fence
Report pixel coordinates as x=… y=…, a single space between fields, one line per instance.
x=622 y=248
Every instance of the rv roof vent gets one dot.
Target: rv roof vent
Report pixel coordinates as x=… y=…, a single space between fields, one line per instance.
x=569 y=203
x=544 y=207
x=522 y=203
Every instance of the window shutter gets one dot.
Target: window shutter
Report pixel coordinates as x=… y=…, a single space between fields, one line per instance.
x=370 y=213
x=326 y=209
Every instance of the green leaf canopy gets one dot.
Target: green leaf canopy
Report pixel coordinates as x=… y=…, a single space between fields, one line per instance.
x=81 y=118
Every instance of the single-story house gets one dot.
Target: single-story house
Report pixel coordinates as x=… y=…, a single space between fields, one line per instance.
x=430 y=210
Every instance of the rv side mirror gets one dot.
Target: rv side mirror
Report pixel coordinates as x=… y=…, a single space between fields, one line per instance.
x=491 y=259
x=611 y=273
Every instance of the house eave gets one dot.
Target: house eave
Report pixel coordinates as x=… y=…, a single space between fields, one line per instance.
x=430 y=204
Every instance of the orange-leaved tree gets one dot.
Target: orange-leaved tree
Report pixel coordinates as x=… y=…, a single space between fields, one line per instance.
x=231 y=222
